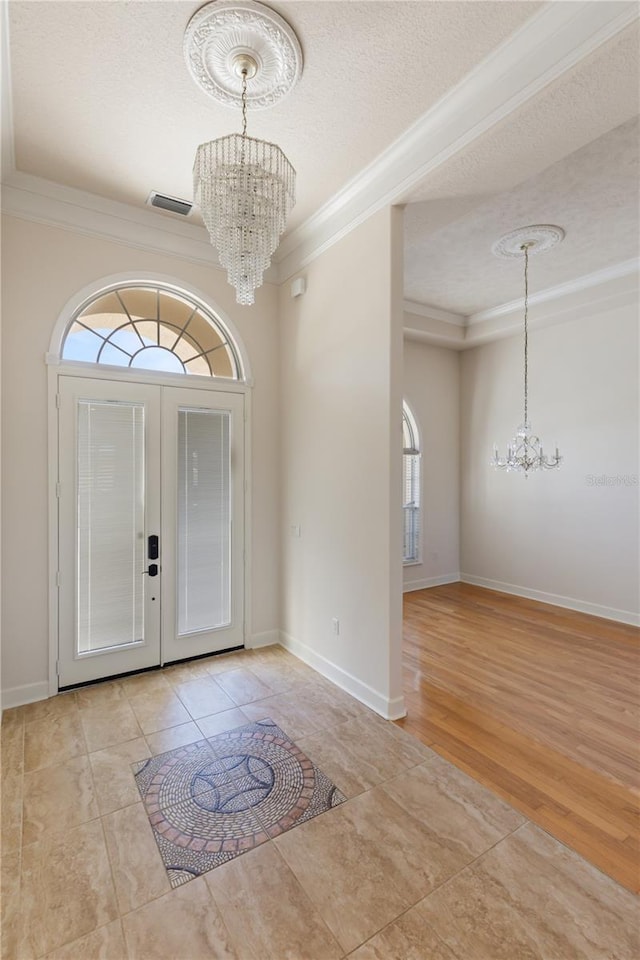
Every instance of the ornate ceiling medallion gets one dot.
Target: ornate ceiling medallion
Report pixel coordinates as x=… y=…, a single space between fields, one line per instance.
x=538 y=238
x=224 y=30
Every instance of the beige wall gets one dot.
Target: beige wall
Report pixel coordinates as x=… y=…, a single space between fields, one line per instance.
x=337 y=354
x=341 y=411
x=558 y=535
x=42 y=267
x=432 y=389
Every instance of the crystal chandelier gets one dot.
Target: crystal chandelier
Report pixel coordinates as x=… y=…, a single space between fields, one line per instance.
x=525 y=452
x=245 y=187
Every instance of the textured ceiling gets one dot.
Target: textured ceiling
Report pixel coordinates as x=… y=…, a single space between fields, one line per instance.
x=103 y=101
x=557 y=160
x=592 y=194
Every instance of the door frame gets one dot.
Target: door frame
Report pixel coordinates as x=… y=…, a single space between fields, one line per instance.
x=68 y=368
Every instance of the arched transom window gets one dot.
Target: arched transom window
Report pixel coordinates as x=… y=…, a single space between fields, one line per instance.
x=410 y=486
x=148 y=327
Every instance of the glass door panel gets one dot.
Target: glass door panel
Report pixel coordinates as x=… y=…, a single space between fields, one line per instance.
x=204 y=520
x=110 y=524
x=109 y=503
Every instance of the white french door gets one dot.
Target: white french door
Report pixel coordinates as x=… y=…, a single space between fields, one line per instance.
x=202 y=522
x=151 y=534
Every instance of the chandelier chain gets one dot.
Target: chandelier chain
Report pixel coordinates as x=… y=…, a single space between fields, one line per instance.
x=526 y=331
x=244 y=103
x=525 y=452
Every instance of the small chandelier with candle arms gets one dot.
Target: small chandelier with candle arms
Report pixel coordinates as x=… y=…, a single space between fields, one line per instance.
x=525 y=453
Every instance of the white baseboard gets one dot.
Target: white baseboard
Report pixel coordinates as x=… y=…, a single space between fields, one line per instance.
x=410 y=585
x=27 y=693
x=265 y=639
x=390 y=709
x=582 y=606
x=30 y=692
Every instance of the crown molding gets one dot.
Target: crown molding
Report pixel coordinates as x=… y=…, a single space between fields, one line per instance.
x=42 y=201
x=434 y=313
x=546 y=46
x=435 y=338
x=606 y=289
x=615 y=272
x=577 y=307
x=53 y=204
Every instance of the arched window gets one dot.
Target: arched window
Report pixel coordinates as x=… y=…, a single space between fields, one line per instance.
x=150 y=327
x=410 y=486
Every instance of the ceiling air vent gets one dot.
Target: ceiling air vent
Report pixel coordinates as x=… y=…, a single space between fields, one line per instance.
x=173 y=204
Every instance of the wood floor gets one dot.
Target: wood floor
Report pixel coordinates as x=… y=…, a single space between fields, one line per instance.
x=539 y=703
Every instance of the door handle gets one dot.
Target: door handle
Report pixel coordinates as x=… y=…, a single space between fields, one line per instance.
x=152 y=571
x=152 y=547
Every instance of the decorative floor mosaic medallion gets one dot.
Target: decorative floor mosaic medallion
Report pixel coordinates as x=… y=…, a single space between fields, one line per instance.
x=212 y=800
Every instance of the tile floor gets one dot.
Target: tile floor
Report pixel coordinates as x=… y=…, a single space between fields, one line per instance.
x=419 y=863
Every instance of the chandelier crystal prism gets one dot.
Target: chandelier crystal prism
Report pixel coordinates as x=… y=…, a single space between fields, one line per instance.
x=244 y=187
x=525 y=452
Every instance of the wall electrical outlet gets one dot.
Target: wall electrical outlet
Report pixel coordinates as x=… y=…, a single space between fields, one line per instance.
x=295 y=529
x=335 y=623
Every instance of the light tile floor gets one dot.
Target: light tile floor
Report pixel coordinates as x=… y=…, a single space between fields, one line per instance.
x=420 y=862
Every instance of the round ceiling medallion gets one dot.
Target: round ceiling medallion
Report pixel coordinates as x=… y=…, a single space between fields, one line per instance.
x=222 y=32
x=539 y=238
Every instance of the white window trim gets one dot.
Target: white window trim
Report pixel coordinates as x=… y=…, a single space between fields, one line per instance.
x=172 y=285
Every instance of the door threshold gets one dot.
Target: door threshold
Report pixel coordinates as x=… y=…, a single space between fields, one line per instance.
x=204 y=656
x=154 y=669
